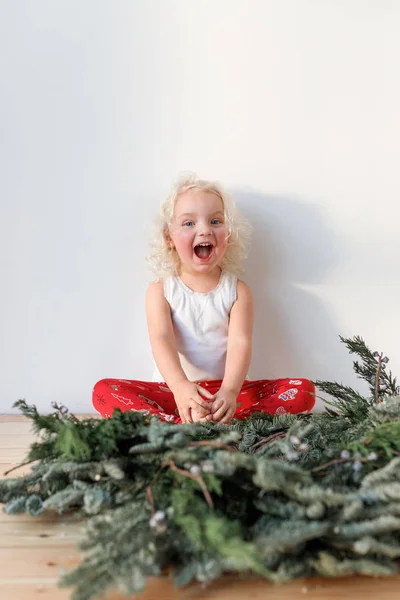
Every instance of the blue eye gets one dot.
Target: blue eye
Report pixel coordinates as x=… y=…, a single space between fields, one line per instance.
x=188 y=223
x=215 y=222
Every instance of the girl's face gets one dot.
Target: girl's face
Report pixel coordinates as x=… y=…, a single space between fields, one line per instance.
x=198 y=231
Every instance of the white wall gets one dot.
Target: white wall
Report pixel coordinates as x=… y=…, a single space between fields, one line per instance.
x=293 y=104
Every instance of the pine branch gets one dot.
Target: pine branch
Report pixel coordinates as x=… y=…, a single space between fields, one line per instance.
x=280 y=497
x=372 y=369
x=347 y=401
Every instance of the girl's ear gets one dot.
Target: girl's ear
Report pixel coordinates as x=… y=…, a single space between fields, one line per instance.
x=168 y=240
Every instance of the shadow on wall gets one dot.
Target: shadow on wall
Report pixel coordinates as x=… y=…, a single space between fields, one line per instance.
x=294 y=335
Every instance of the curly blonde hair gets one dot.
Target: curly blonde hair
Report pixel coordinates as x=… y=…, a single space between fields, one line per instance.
x=165 y=261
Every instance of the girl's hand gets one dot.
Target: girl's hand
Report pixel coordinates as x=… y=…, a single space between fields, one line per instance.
x=224 y=406
x=191 y=406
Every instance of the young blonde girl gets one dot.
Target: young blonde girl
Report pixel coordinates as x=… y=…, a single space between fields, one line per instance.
x=200 y=320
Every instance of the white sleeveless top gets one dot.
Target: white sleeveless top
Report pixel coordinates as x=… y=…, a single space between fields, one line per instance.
x=200 y=322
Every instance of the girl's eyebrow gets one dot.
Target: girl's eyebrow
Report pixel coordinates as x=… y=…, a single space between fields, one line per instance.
x=217 y=212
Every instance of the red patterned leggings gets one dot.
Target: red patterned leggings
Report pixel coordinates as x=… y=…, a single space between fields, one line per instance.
x=278 y=396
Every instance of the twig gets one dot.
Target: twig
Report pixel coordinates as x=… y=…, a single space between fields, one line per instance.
x=266 y=440
x=149 y=496
x=172 y=465
x=149 y=491
x=18 y=466
x=328 y=464
x=377 y=378
x=343 y=460
x=213 y=444
x=198 y=478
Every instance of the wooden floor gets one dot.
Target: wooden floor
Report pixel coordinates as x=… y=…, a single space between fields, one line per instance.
x=34 y=551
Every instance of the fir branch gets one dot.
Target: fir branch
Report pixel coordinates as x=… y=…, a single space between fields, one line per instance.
x=372 y=369
x=281 y=497
x=347 y=401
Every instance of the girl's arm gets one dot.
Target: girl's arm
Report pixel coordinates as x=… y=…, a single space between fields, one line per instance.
x=162 y=336
x=239 y=339
x=163 y=344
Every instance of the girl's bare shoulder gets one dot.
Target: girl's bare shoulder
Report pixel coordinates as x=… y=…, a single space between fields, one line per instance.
x=155 y=291
x=243 y=289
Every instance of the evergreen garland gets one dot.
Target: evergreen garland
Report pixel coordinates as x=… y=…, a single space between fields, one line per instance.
x=277 y=496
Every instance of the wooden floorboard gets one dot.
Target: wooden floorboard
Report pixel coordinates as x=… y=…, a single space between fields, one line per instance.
x=36 y=551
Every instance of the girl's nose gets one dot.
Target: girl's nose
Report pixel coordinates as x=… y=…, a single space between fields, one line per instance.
x=204 y=229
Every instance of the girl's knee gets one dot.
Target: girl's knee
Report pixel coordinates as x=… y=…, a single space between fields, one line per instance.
x=300 y=395
x=101 y=383
x=98 y=400
x=308 y=394
x=101 y=386
x=308 y=385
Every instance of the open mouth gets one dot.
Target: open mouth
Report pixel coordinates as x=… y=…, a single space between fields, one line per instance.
x=203 y=251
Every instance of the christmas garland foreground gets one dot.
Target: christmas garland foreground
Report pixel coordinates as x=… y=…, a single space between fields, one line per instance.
x=277 y=496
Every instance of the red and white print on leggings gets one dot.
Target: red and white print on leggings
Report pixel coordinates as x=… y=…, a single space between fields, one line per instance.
x=277 y=397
